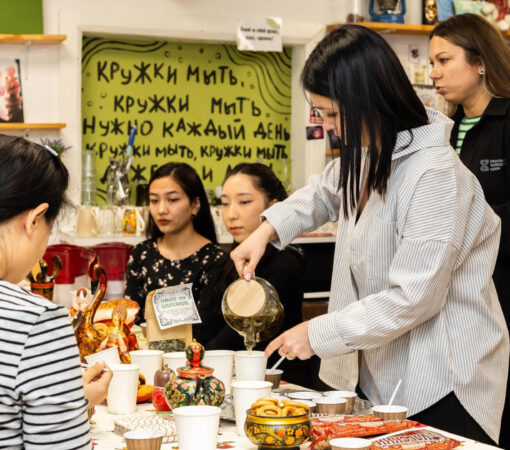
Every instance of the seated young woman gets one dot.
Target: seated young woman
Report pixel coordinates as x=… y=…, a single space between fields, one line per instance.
x=181 y=246
x=248 y=189
x=43 y=395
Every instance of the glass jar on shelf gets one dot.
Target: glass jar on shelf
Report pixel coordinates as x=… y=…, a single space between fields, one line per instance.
x=355 y=11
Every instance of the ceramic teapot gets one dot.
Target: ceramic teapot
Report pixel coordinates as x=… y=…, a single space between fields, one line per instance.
x=194 y=383
x=253 y=309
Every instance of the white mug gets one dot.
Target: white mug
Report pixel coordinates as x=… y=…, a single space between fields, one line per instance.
x=121 y=398
x=250 y=365
x=108 y=221
x=245 y=393
x=87 y=224
x=197 y=427
x=150 y=361
x=222 y=361
x=132 y=220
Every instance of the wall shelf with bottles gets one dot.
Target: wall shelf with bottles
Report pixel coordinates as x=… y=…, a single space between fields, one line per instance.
x=33 y=39
x=399 y=28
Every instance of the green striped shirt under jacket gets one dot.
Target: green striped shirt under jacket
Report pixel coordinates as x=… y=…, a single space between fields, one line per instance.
x=465 y=125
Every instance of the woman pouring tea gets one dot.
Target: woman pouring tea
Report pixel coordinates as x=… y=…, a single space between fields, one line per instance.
x=416 y=246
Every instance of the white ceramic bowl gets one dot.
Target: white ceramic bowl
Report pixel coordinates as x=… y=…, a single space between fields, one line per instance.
x=304 y=395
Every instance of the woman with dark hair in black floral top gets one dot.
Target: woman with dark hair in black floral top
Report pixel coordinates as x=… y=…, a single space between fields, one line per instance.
x=181 y=246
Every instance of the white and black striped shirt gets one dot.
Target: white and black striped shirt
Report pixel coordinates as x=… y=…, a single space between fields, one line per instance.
x=411 y=283
x=41 y=388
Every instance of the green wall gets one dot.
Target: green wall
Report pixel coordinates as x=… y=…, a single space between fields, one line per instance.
x=206 y=104
x=21 y=17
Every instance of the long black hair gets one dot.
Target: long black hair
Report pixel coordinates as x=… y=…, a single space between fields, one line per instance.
x=30 y=175
x=187 y=178
x=357 y=69
x=264 y=180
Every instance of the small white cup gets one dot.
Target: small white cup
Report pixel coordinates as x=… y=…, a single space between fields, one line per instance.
x=330 y=405
x=149 y=361
x=274 y=376
x=250 y=365
x=174 y=360
x=110 y=356
x=121 y=398
x=349 y=443
x=197 y=427
x=142 y=439
x=348 y=395
x=304 y=395
x=245 y=393
x=390 y=412
x=222 y=361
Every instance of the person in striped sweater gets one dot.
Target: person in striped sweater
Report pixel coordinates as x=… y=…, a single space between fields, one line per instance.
x=43 y=395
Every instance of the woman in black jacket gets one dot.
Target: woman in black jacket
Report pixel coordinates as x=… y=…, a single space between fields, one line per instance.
x=471 y=70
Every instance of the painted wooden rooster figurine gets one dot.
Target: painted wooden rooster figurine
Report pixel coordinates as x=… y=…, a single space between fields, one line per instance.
x=87 y=336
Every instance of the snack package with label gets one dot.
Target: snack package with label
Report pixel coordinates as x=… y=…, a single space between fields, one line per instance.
x=416 y=439
x=330 y=427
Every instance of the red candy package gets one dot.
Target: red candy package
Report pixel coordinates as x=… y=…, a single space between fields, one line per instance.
x=419 y=439
x=326 y=428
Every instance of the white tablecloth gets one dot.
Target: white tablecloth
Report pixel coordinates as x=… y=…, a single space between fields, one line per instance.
x=105 y=439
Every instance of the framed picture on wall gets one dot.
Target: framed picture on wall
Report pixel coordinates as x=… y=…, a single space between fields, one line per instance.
x=11 y=98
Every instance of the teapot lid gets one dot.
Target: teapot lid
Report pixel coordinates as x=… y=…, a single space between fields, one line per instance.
x=193 y=368
x=246 y=298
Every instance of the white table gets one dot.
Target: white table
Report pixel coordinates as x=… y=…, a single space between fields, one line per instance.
x=105 y=439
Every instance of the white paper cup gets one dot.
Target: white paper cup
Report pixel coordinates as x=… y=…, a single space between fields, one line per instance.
x=142 y=439
x=250 y=365
x=197 y=427
x=149 y=361
x=222 y=361
x=174 y=360
x=330 y=405
x=349 y=443
x=348 y=395
x=110 y=356
x=304 y=395
x=390 y=412
x=245 y=393
x=121 y=398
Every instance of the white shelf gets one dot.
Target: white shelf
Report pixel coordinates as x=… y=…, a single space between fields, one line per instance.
x=95 y=240
x=134 y=240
